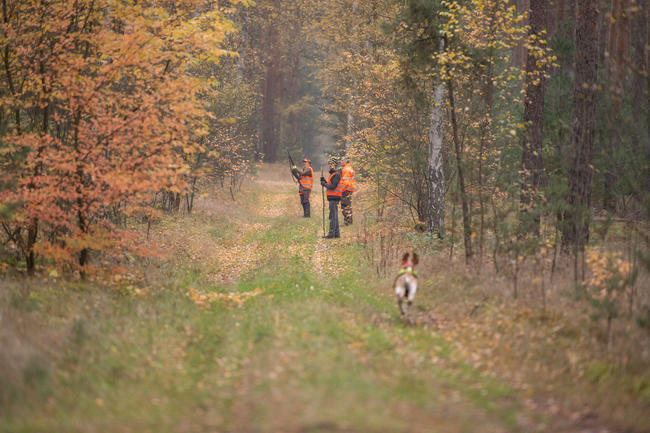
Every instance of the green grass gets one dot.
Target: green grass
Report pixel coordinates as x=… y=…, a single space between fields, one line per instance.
x=310 y=354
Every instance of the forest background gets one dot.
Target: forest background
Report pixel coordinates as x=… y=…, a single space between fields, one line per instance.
x=516 y=132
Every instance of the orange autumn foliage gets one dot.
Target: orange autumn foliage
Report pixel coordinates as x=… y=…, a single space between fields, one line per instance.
x=100 y=110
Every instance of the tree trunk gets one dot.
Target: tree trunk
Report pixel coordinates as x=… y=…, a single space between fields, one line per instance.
x=647 y=70
x=30 y=256
x=270 y=92
x=531 y=157
x=575 y=230
x=637 y=47
x=486 y=126
x=290 y=96
x=436 y=213
x=519 y=51
x=349 y=125
x=617 y=48
x=244 y=47
x=82 y=222
x=467 y=218
x=555 y=17
x=177 y=201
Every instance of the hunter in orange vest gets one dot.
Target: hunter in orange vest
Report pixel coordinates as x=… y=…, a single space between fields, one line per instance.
x=334 y=193
x=349 y=182
x=306 y=180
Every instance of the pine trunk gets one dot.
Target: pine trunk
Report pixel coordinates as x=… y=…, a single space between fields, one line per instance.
x=519 y=51
x=531 y=157
x=575 y=230
x=270 y=95
x=467 y=218
x=647 y=69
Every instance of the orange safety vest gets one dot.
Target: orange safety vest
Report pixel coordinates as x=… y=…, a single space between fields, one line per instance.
x=338 y=192
x=348 y=180
x=307 y=181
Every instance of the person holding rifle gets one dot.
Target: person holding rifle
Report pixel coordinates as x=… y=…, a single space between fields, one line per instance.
x=306 y=182
x=334 y=192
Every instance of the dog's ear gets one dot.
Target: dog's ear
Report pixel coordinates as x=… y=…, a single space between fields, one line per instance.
x=415 y=259
x=405 y=257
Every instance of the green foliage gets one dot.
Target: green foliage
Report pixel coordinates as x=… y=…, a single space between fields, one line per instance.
x=26 y=301
x=425 y=243
x=7 y=210
x=597 y=370
x=418 y=25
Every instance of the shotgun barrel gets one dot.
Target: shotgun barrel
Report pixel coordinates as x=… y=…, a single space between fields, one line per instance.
x=291 y=164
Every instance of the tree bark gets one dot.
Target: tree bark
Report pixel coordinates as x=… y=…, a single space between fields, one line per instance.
x=647 y=69
x=617 y=49
x=467 y=218
x=519 y=51
x=637 y=47
x=531 y=157
x=270 y=95
x=575 y=230
x=436 y=213
x=349 y=128
x=486 y=125
x=291 y=138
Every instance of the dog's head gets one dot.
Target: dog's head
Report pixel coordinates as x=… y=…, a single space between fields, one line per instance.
x=406 y=262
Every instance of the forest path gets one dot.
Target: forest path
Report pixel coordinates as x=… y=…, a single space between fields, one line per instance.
x=322 y=349
x=253 y=323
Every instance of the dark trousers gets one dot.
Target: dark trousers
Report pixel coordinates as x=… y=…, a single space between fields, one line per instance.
x=334 y=219
x=346 y=207
x=304 y=201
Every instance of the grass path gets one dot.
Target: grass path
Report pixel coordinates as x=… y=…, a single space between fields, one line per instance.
x=325 y=351
x=318 y=348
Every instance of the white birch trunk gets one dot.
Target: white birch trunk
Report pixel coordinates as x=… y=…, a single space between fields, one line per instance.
x=436 y=215
x=349 y=126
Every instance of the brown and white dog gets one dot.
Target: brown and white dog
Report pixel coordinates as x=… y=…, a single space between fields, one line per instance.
x=406 y=285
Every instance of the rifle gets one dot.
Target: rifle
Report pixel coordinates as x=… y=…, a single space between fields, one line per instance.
x=322 y=188
x=291 y=164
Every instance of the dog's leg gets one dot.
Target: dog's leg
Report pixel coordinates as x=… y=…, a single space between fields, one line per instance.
x=400 y=301
x=408 y=312
x=411 y=289
x=399 y=295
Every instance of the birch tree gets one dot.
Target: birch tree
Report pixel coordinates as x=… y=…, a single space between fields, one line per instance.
x=436 y=216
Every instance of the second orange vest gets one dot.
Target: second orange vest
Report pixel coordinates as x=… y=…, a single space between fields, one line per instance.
x=348 y=179
x=338 y=192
